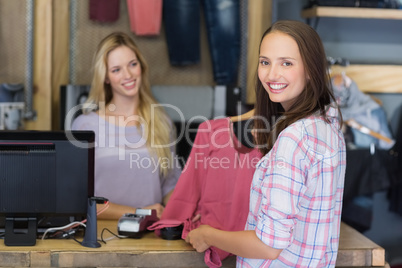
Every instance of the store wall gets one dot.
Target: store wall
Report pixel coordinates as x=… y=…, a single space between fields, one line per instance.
x=58 y=23
x=12 y=42
x=56 y=63
x=87 y=34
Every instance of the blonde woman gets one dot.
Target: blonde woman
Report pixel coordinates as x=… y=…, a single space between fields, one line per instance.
x=135 y=163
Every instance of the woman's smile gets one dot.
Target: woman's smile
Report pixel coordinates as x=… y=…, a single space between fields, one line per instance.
x=277 y=87
x=129 y=85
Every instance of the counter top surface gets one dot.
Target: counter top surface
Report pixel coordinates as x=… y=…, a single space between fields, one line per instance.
x=355 y=250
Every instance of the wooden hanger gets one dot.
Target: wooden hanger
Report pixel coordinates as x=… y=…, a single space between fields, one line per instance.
x=340 y=79
x=242 y=117
x=353 y=124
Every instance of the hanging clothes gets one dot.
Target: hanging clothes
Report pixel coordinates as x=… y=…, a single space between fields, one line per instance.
x=182 y=21
x=11 y=92
x=369 y=161
x=395 y=191
x=145 y=16
x=104 y=10
x=366 y=117
x=215 y=183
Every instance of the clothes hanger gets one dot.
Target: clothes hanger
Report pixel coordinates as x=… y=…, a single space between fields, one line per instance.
x=242 y=117
x=239 y=124
x=341 y=79
x=354 y=124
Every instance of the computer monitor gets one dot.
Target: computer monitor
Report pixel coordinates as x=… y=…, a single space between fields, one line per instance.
x=43 y=174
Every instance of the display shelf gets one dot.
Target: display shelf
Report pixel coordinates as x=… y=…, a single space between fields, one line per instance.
x=369 y=78
x=373 y=78
x=352 y=12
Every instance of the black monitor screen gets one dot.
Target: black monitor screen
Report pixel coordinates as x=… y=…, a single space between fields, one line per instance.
x=45 y=174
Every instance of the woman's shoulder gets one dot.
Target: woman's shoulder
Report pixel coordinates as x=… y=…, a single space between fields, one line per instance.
x=87 y=116
x=316 y=122
x=317 y=133
x=85 y=119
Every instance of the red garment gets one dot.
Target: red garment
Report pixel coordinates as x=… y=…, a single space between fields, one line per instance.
x=145 y=16
x=104 y=10
x=215 y=183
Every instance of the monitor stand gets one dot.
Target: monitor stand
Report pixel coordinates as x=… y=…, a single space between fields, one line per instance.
x=20 y=231
x=91 y=231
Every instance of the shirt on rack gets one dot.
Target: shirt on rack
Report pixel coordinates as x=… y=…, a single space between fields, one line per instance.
x=215 y=183
x=145 y=16
x=104 y=10
x=367 y=117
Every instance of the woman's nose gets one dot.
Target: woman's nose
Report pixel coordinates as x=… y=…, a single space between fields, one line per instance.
x=127 y=73
x=273 y=73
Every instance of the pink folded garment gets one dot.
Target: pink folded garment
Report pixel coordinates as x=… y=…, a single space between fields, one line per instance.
x=215 y=183
x=145 y=16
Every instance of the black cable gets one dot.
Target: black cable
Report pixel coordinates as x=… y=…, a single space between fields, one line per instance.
x=75 y=239
x=106 y=229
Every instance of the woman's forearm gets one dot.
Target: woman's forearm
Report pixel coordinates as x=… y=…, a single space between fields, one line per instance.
x=242 y=243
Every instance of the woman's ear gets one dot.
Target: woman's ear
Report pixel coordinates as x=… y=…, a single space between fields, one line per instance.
x=107 y=81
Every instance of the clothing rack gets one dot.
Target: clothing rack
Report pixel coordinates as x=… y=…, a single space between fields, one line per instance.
x=340 y=77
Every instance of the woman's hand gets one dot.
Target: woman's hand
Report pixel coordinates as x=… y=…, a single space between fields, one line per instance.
x=197 y=238
x=158 y=207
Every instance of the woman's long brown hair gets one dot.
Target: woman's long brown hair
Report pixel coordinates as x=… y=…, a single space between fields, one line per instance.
x=270 y=117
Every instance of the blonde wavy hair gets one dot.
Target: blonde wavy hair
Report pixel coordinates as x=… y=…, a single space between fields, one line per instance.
x=157 y=140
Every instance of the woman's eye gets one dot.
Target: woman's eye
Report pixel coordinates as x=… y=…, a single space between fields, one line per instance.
x=264 y=62
x=115 y=70
x=134 y=63
x=287 y=64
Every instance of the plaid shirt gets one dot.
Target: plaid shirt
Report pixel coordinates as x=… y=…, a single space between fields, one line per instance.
x=296 y=195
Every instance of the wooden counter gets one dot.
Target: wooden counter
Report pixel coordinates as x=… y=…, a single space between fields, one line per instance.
x=355 y=250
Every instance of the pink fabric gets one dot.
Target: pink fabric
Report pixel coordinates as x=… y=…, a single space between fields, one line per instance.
x=215 y=183
x=104 y=10
x=145 y=16
x=131 y=15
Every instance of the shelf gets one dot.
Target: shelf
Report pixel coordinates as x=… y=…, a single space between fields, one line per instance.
x=353 y=12
x=373 y=78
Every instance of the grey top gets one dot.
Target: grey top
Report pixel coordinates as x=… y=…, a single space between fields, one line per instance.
x=125 y=171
